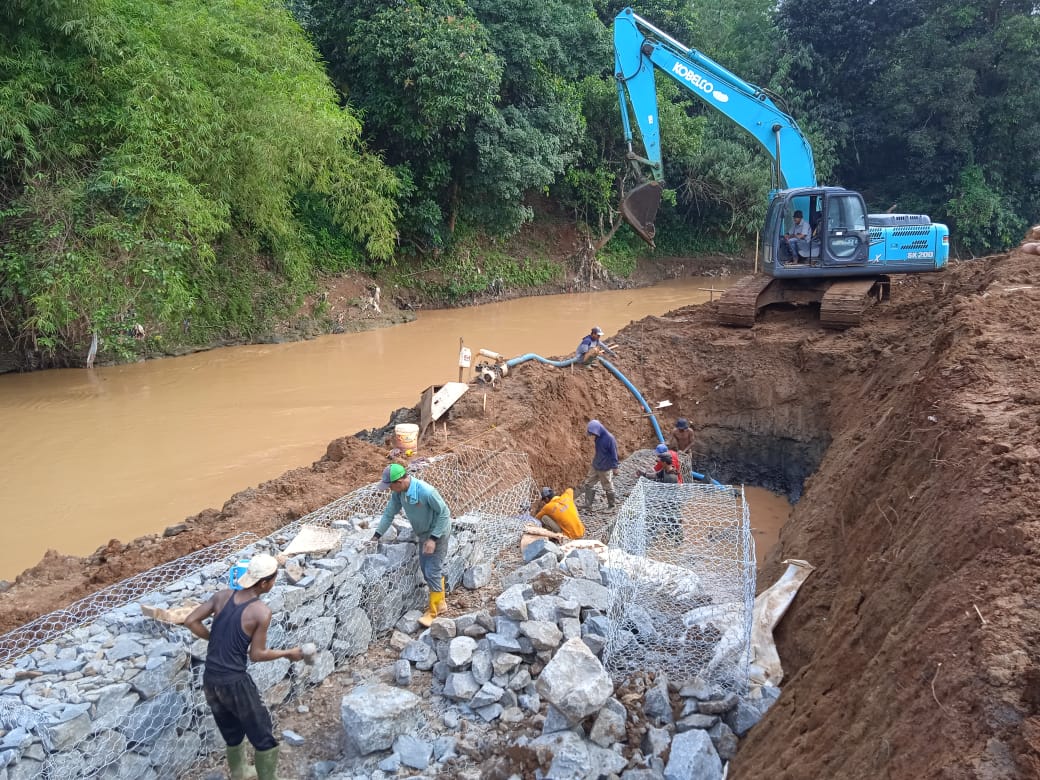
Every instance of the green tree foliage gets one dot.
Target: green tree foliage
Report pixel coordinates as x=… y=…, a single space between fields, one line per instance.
x=473 y=103
x=424 y=76
x=151 y=150
x=546 y=48
x=932 y=106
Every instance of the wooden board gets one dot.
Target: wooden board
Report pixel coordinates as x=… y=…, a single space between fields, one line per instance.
x=436 y=400
x=175 y=615
x=446 y=397
x=313 y=538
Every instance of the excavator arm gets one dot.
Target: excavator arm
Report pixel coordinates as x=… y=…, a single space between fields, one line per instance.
x=640 y=49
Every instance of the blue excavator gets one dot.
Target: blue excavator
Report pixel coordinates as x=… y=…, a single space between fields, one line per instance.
x=842 y=260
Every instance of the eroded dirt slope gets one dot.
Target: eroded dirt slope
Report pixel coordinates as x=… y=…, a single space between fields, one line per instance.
x=911 y=651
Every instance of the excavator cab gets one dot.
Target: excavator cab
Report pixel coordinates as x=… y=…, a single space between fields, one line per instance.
x=839 y=237
x=639 y=209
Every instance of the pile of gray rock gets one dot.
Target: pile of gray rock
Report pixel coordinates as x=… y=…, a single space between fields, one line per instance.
x=536 y=664
x=122 y=696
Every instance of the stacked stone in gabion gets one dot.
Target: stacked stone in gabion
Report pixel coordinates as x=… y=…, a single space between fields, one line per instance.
x=540 y=655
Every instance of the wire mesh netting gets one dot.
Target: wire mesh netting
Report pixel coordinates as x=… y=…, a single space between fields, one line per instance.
x=120 y=694
x=681 y=572
x=487 y=491
x=49 y=627
x=599 y=520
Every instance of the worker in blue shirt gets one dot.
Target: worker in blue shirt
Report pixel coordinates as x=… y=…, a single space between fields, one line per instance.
x=430 y=519
x=591 y=347
x=604 y=464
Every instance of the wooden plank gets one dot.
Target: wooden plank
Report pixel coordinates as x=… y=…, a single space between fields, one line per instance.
x=313 y=538
x=445 y=397
x=175 y=615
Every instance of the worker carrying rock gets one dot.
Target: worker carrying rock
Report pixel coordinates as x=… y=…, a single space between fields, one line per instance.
x=592 y=347
x=559 y=513
x=430 y=518
x=239 y=628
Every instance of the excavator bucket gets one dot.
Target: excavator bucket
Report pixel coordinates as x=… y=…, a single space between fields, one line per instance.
x=639 y=209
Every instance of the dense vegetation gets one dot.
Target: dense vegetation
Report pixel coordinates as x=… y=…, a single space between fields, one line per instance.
x=193 y=165
x=932 y=105
x=180 y=164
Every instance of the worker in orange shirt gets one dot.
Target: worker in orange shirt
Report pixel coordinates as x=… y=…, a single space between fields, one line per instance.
x=559 y=513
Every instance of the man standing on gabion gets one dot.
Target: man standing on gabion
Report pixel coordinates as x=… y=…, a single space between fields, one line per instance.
x=604 y=464
x=430 y=519
x=240 y=623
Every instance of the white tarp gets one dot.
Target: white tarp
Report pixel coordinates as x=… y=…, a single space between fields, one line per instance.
x=770 y=606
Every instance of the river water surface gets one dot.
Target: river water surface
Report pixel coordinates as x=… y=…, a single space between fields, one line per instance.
x=121 y=451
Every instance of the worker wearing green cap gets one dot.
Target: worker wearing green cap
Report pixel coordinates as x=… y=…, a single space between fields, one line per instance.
x=430 y=519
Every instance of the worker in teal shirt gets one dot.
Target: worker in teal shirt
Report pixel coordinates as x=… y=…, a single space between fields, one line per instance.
x=430 y=518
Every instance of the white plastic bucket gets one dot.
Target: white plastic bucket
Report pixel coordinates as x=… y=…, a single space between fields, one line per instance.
x=406 y=436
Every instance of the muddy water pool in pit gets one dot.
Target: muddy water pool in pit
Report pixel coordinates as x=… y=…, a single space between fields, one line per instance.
x=769 y=512
x=121 y=451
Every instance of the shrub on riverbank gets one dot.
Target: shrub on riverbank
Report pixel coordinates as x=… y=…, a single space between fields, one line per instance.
x=155 y=160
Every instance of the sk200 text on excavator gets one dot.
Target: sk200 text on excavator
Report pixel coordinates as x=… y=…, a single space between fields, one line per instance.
x=843 y=263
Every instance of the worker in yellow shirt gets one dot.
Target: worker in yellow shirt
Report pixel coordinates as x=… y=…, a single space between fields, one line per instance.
x=559 y=514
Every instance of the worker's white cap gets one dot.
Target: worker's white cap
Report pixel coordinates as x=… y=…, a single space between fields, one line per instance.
x=260 y=568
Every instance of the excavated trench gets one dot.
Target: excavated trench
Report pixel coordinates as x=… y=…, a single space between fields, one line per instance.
x=910 y=444
x=778 y=464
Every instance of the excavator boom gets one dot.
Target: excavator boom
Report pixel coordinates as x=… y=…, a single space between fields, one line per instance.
x=640 y=50
x=842 y=261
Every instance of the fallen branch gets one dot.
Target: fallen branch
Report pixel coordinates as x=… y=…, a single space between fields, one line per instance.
x=979 y=614
x=941 y=707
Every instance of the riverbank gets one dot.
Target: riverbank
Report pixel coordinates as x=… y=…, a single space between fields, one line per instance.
x=354 y=302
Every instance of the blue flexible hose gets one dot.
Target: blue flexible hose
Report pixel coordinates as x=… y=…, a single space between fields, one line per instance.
x=512 y=362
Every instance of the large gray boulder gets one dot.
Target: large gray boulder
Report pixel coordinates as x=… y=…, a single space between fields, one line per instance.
x=543 y=635
x=583 y=564
x=146 y=722
x=461 y=686
x=374 y=715
x=658 y=707
x=572 y=758
x=477 y=576
x=512 y=603
x=460 y=651
x=693 y=755
x=414 y=752
x=587 y=593
x=575 y=681
x=609 y=726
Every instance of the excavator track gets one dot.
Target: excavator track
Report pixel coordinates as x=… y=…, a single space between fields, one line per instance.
x=739 y=304
x=843 y=304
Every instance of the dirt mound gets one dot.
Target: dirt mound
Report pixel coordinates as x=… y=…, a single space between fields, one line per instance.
x=912 y=440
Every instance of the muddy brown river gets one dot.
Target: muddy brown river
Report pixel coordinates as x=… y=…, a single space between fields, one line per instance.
x=117 y=452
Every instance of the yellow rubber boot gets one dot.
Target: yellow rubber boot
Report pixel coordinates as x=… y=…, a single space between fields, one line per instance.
x=437 y=607
x=431 y=611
